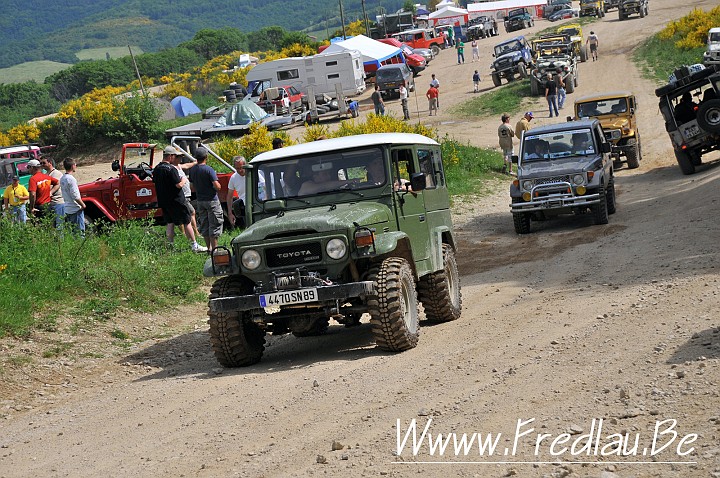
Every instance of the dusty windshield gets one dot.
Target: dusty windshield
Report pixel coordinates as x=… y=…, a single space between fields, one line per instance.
x=517 y=12
x=605 y=107
x=559 y=144
x=507 y=48
x=336 y=171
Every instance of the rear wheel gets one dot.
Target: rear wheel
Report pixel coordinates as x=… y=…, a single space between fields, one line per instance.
x=439 y=292
x=393 y=307
x=632 y=153
x=570 y=83
x=684 y=161
x=435 y=49
x=235 y=339
x=642 y=12
x=583 y=53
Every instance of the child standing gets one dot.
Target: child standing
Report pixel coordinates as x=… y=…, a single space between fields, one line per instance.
x=476 y=81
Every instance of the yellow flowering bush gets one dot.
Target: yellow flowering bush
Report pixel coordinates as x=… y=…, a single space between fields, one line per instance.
x=4 y=139
x=23 y=133
x=691 y=30
x=382 y=124
x=256 y=141
x=172 y=90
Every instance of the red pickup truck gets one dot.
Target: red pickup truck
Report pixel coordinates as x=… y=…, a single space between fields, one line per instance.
x=423 y=38
x=415 y=62
x=131 y=194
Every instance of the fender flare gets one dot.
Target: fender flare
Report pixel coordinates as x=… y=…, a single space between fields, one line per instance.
x=101 y=209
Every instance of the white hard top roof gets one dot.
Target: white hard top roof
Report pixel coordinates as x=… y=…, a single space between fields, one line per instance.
x=345 y=142
x=714 y=30
x=18 y=149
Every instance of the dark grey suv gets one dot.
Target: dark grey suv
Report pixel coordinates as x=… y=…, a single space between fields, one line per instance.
x=389 y=78
x=563 y=168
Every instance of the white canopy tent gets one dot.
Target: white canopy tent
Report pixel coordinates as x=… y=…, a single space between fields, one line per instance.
x=374 y=53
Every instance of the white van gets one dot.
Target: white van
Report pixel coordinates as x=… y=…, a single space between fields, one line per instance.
x=322 y=71
x=712 y=54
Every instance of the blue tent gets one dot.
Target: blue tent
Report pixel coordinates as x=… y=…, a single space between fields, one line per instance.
x=184 y=106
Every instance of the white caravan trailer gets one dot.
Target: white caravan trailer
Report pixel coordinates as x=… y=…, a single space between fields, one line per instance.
x=322 y=71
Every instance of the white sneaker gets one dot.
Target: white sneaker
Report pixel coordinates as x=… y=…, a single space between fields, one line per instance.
x=198 y=248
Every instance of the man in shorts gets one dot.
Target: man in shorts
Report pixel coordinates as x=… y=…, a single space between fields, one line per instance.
x=209 y=209
x=171 y=198
x=505 y=139
x=593 y=41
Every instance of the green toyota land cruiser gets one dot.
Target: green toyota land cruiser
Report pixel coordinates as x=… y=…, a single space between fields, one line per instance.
x=337 y=228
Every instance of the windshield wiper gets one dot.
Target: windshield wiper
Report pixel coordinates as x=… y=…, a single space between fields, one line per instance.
x=343 y=190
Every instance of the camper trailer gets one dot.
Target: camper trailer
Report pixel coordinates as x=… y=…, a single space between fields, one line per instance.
x=322 y=71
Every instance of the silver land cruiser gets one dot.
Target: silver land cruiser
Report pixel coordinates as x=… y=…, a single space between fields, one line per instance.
x=563 y=168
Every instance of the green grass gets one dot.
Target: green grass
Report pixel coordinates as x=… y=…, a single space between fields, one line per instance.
x=90 y=280
x=101 y=53
x=506 y=99
x=658 y=58
x=468 y=167
x=31 y=70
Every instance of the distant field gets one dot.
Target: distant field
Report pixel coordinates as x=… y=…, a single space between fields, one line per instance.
x=31 y=70
x=100 y=53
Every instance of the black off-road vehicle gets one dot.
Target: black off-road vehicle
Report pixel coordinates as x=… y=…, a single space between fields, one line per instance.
x=629 y=7
x=693 y=123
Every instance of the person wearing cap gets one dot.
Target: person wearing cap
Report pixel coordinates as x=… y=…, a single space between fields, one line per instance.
x=209 y=209
x=57 y=203
x=278 y=143
x=171 y=198
x=14 y=199
x=40 y=187
x=523 y=124
x=74 y=205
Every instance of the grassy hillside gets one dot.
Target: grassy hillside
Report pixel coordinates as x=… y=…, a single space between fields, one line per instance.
x=32 y=70
x=55 y=30
x=102 y=53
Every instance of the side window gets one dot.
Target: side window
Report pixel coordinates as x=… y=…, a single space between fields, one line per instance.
x=427 y=167
x=287 y=74
x=402 y=164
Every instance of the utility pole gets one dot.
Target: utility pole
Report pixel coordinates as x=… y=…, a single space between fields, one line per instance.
x=137 y=72
x=365 y=19
x=342 y=20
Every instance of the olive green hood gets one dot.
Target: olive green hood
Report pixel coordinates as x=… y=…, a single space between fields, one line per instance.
x=320 y=219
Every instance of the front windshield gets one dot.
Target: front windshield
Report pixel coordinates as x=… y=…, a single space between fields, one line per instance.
x=516 y=12
x=559 y=144
x=571 y=31
x=604 y=107
x=507 y=48
x=321 y=173
x=715 y=37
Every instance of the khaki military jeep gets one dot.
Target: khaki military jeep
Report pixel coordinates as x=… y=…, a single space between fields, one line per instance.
x=616 y=112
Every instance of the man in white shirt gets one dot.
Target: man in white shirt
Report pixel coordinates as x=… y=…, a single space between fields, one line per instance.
x=74 y=205
x=236 y=207
x=404 y=101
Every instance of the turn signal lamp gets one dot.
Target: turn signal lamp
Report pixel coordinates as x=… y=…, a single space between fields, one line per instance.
x=590 y=174
x=221 y=257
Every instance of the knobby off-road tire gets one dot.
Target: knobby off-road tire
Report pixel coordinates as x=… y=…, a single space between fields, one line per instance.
x=522 y=70
x=534 y=87
x=685 y=163
x=320 y=327
x=440 y=293
x=569 y=83
x=435 y=49
x=496 y=79
x=235 y=339
x=610 y=197
x=708 y=116
x=521 y=220
x=583 y=53
x=632 y=153
x=394 y=308
x=600 y=210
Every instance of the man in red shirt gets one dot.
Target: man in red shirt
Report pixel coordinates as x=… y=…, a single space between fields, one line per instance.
x=40 y=187
x=432 y=96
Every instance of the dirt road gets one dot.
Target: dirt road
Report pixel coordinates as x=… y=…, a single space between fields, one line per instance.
x=568 y=326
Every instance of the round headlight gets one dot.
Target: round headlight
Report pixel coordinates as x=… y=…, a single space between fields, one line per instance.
x=527 y=185
x=578 y=179
x=336 y=249
x=251 y=259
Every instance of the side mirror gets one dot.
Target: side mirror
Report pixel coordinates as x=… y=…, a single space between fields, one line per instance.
x=274 y=205
x=417 y=181
x=116 y=165
x=514 y=158
x=606 y=147
x=493 y=55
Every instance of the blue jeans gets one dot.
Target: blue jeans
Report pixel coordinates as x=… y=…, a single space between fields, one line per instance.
x=461 y=56
x=379 y=109
x=76 y=221
x=19 y=213
x=59 y=210
x=552 y=105
x=561 y=97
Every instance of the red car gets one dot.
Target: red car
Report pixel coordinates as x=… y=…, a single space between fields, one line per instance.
x=277 y=99
x=415 y=62
x=130 y=194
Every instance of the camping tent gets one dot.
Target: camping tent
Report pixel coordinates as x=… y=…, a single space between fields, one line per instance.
x=184 y=106
x=374 y=53
x=449 y=16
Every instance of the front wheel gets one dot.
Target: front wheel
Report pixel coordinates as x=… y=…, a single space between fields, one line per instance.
x=394 y=308
x=610 y=197
x=235 y=339
x=496 y=79
x=439 y=292
x=583 y=53
x=522 y=70
x=569 y=83
x=600 y=210
x=633 y=153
